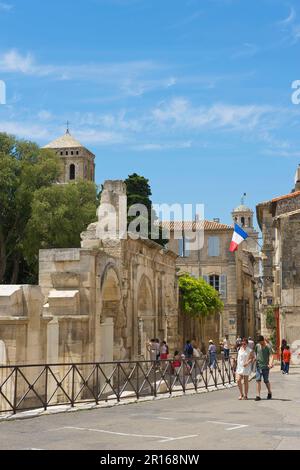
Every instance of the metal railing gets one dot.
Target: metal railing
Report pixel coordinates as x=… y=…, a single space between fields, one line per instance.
x=35 y=386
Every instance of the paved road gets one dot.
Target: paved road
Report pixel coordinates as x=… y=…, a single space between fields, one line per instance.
x=215 y=420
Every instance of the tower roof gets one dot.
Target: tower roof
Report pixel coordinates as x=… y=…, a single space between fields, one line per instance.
x=65 y=141
x=242 y=208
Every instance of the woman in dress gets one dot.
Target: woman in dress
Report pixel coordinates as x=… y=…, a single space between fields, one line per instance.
x=164 y=351
x=244 y=362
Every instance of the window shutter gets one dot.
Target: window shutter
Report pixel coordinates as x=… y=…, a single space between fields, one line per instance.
x=206 y=278
x=223 y=286
x=186 y=247
x=213 y=246
x=180 y=247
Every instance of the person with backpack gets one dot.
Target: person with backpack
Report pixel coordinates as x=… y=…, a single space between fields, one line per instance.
x=264 y=362
x=188 y=349
x=188 y=352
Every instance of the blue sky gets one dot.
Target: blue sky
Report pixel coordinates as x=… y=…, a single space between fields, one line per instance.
x=193 y=94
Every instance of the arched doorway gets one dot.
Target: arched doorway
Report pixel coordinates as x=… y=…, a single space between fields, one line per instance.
x=146 y=315
x=112 y=317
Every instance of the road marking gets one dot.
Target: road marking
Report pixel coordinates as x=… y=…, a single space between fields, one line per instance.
x=151 y=416
x=233 y=426
x=167 y=419
x=103 y=431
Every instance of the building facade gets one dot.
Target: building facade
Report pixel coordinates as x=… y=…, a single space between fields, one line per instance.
x=279 y=220
x=233 y=275
x=77 y=162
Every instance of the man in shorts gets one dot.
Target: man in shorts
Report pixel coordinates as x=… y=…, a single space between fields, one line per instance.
x=264 y=362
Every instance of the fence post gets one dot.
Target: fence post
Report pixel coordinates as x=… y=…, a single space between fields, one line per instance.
x=73 y=386
x=97 y=384
x=154 y=368
x=15 y=391
x=118 y=381
x=137 y=381
x=46 y=389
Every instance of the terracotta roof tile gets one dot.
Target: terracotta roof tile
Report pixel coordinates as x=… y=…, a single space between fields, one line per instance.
x=192 y=225
x=286 y=196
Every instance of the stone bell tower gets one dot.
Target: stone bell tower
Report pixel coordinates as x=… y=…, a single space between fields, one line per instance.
x=243 y=216
x=78 y=163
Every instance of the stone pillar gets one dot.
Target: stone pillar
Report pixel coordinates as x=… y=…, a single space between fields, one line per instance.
x=52 y=357
x=107 y=349
x=107 y=340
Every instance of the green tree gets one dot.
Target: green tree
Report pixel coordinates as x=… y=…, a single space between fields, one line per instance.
x=139 y=192
x=199 y=299
x=35 y=212
x=59 y=214
x=24 y=168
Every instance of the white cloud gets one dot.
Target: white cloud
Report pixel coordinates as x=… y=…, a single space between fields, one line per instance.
x=179 y=113
x=5 y=6
x=133 y=78
x=25 y=130
x=289 y=19
x=162 y=146
x=99 y=137
x=45 y=115
x=245 y=50
x=290 y=27
x=12 y=61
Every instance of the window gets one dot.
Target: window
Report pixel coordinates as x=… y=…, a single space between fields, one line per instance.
x=217 y=282
x=184 y=247
x=213 y=246
x=72 y=172
x=61 y=153
x=72 y=153
x=67 y=153
x=243 y=221
x=214 y=281
x=77 y=153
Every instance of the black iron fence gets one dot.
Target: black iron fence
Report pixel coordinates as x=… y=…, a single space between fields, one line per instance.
x=29 y=387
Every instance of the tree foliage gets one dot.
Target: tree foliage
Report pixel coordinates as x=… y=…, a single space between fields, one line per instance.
x=139 y=192
x=30 y=199
x=199 y=299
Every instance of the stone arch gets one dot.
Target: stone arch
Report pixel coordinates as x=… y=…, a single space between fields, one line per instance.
x=146 y=313
x=112 y=311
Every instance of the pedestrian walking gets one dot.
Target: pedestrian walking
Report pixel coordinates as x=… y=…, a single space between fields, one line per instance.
x=282 y=348
x=264 y=362
x=188 y=352
x=176 y=364
x=164 y=351
x=286 y=359
x=238 y=343
x=151 y=347
x=245 y=359
x=226 y=348
x=251 y=343
x=212 y=354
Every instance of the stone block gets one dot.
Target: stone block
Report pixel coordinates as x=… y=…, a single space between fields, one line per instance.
x=11 y=301
x=63 y=302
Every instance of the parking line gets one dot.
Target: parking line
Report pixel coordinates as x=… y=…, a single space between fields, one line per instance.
x=233 y=425
x=152 y=436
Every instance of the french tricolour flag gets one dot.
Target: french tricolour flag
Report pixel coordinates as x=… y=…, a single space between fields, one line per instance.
x=239 y=235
